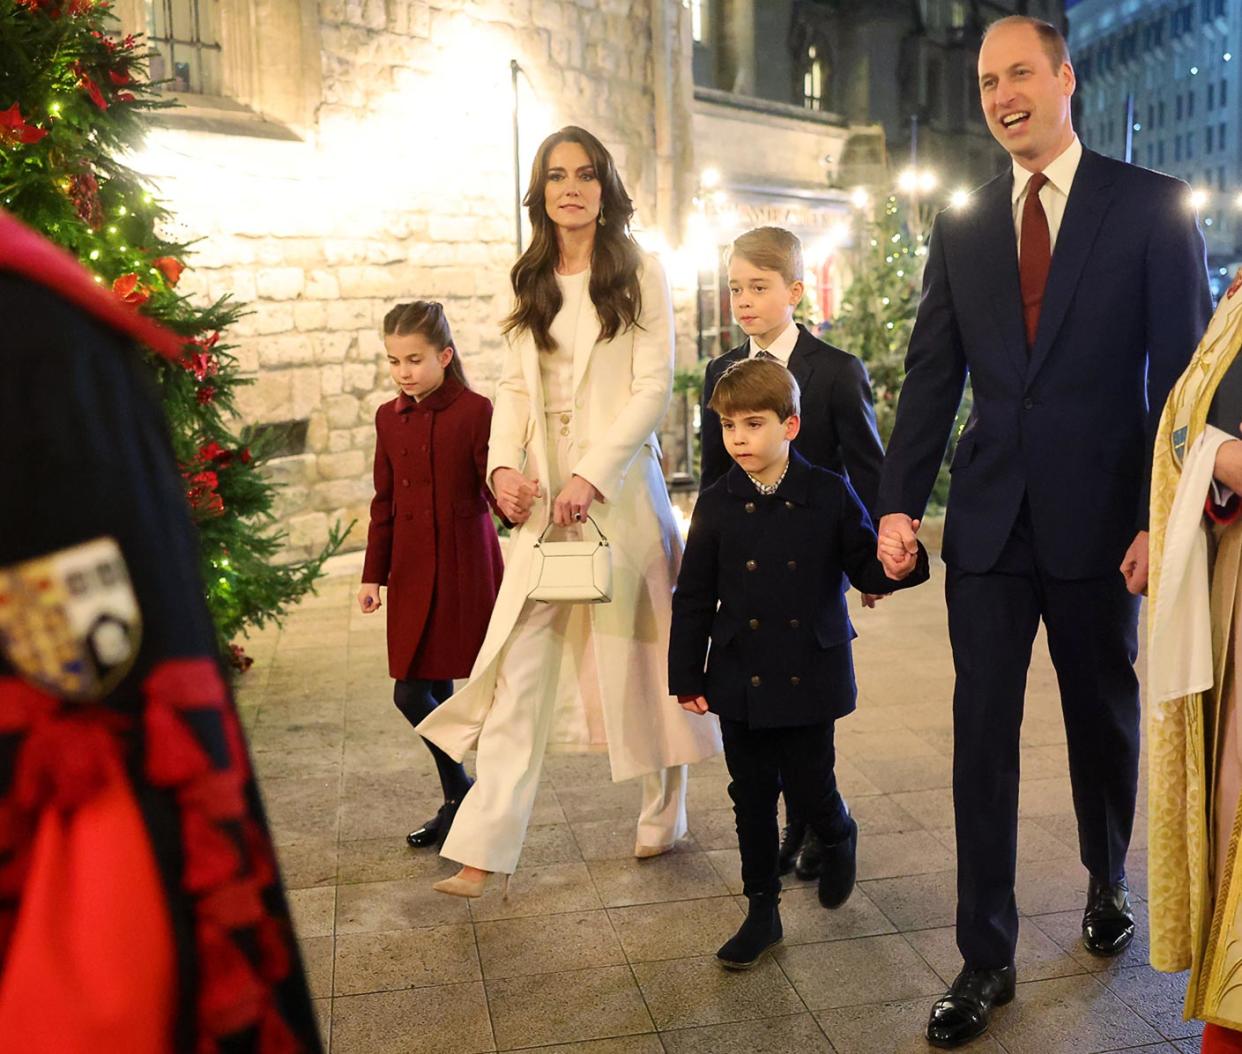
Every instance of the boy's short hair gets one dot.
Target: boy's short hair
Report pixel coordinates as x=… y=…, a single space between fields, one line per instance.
x=755 y=385
x=772 y=249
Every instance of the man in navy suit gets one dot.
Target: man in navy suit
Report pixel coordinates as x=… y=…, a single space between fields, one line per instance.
x=1073 y=290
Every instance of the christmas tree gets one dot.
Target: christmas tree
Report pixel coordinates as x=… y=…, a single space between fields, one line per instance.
x=878 y=309
x=74 y=97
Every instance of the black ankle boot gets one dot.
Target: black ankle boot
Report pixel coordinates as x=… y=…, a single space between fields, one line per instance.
x=435 y=830
x=759 y=932
x=838 y=868
x=791 y=842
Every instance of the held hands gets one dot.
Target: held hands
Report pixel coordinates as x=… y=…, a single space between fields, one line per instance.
x=1134 y=565
x=369 y=598
x=515 y=494
x=697 y=705
x=897 y=546
x=869 y=600
x=573 y=502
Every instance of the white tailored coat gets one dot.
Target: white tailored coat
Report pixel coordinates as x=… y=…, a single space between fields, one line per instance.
x=621 y=391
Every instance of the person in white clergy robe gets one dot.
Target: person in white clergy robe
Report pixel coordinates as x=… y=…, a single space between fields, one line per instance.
x=586 y=383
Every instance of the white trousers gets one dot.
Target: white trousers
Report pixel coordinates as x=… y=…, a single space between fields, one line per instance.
x=547 y=689
x=490 y=826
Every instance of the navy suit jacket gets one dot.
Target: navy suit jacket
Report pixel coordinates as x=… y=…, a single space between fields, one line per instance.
x=1071 y=423
x=838 y=421
x=777 y=568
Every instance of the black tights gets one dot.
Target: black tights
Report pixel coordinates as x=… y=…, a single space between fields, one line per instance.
x=415 y=700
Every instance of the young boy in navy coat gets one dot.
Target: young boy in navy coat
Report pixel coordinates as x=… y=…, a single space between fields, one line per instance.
x=763 y=579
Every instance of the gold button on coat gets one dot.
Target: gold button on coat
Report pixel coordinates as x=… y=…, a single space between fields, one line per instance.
x=792 y=565
x=749 y=506
x=751 y=565
x=754 y=623
x=756 y=681
x=795 y=681
x=794 y=623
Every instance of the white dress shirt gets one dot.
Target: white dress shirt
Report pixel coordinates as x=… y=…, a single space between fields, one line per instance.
x=782 y=347
x=1053 y=195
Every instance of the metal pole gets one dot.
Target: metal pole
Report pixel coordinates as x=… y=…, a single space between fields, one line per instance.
x=514 y=69
x=1129 y=158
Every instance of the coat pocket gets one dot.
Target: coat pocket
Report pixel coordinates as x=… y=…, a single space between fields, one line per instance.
x=834 y=629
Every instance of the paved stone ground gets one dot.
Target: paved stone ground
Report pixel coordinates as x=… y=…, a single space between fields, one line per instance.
x=599 y=952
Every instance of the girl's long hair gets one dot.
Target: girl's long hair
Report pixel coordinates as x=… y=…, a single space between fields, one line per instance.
x=427 y=319
x=615 y=259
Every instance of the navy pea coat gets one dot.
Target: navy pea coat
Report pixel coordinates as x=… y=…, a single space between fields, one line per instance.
x=777 y=566
x=431 y=539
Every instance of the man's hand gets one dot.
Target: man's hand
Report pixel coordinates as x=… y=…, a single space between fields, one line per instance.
x=869 y=600
x=697 y=705
x=369 y=598
x=1134 y=565
x=573 y=502
x=897 y=546
x=515 y=494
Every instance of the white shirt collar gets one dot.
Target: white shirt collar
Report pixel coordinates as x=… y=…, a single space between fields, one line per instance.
x=1060 y=171
x=782 y=347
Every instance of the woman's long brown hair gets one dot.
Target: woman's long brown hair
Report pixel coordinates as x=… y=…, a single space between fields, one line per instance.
x=615 y=259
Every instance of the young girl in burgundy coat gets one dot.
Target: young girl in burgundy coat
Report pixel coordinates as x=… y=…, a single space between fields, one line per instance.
x=431 y=539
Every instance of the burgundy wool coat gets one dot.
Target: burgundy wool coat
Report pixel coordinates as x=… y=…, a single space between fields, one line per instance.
x=431 y=540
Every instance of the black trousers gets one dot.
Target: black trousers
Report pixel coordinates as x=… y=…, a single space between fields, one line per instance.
x=1092 y=628
x=416 y=699
x=762 y=762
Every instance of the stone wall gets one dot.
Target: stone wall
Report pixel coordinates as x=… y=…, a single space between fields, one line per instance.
x=403 y=189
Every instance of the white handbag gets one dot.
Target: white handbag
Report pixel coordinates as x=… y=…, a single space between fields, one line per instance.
x=571 y=572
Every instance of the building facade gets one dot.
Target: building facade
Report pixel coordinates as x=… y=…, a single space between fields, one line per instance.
x=1158 y=85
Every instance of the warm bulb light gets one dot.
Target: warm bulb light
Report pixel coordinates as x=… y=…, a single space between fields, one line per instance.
x=709 y=179
x=960 y=198
x=1198 y=198
x=859 y=198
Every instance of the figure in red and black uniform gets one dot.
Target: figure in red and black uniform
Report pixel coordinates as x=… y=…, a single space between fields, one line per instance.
x=141 y=910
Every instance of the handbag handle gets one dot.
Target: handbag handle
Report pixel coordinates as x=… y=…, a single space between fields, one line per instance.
x=590 y=519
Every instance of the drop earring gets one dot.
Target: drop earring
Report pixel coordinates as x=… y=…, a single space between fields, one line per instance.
x=602 y=221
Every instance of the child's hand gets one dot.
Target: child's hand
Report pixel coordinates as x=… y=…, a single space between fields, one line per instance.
x=369 y=598
x=697 y=705
x=515 y=494
x=896 y=546
x=869 y=600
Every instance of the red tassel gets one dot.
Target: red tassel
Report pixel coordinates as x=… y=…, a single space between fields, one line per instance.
x=230 y=995
x=275 y=1036
x=174 y=755
x=211 y=858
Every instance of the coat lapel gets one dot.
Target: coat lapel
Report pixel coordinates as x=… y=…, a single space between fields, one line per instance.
x=998 y=266
x=586 y=336
x=1084 y=211
x=802 y=359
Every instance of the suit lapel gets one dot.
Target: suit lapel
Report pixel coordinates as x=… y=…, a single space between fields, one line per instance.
x=586 y=336
x=802 y=359
x=998 y=266
x=1084 y=211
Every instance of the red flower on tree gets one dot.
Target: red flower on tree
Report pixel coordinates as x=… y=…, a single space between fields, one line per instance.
x=128 y=288
x=14 y=129
x=89 y=86
x=205 y=394
x=84 y=192
x=170 y=267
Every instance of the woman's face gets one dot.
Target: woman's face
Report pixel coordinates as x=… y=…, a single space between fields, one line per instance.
x=572 y=193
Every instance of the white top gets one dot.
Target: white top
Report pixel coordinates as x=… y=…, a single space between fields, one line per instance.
x=782 y=347
x=1052 y=195
x=557 y=366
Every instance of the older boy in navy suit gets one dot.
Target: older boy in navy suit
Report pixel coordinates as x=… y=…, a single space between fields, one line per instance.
x=764 y=579
x=838 y=429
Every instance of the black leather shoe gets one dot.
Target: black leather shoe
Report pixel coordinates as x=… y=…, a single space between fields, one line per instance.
x=962 y=1012
x=1108 y=922
x=435 y=830
x=792 y=838
x=810 y=856
x=837 y=870
x=760 y=931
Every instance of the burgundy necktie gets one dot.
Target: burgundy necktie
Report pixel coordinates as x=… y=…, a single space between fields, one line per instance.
x=1034 y=256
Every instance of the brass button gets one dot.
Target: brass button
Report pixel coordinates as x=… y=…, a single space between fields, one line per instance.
x=405 y=483
x=756 y=681
x=792 y=565
x=751 y=565
x=753 y=623
x=564 y=431
x=789 y=504
x=795 y=681
x=404 y=451
x=794 y=623
x=749 y=506
x=564 y=419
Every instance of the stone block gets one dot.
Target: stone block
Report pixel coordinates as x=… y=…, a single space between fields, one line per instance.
x=246 y=353
x=359 y=377
x=339 y=441
x=364 y=438
x=450 y=281
x=350 y=314
x=321 y=285
x=338 y=251
x=346 y=465
x=341 y=410
x=289 y=350
x=453 y=228
x=373 y=14
x=333 y=494
x=304 y=394
x=273 y=317
x=332 y=347
x=317 y=432
x=309 y=315
x=369 y=347
x=267 y=398
x=307 y=531
x=238 y=284
x=333 y=379
x=370 y=280
x=297 y=470
x=280 y=283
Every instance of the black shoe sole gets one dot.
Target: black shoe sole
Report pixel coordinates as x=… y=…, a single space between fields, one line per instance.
x=739 y=967
x=947 y=1044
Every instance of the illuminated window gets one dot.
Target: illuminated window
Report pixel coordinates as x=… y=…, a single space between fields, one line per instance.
x=957 y=14
x=698 y=20
x=813 y=80
x=185 y=44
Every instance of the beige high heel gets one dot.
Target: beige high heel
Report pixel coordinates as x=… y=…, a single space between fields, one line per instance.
x=470 y=887
x=646 y=852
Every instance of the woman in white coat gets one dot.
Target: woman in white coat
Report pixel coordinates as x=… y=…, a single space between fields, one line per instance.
x=586 y=382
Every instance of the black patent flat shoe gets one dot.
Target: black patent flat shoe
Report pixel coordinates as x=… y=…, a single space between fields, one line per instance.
x=963 y=1012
